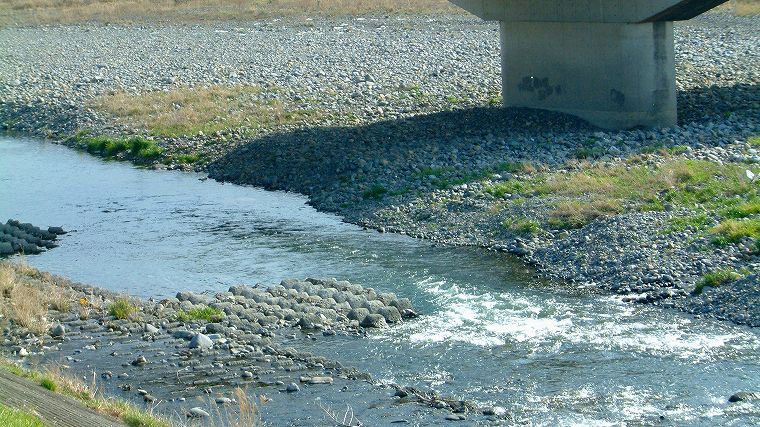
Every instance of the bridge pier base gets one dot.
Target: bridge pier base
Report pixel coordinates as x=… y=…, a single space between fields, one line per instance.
x=614 y=75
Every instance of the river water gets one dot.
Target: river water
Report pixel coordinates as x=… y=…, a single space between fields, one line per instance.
x=549 y=354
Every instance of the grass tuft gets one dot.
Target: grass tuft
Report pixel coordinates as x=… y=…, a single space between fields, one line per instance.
x=733 y=231
x=208 y=314
x=122 y=308
x=573 y=214
x=523 y=226
x=48 y=384
x=138 y=147
x=376 y=192
x=715 y=279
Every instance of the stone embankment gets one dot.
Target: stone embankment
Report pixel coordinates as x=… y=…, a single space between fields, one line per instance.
x=407 y=138
x=17 y=237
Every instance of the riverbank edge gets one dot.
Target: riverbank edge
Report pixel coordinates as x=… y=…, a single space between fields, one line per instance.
x=369 y=217
x=54 y=311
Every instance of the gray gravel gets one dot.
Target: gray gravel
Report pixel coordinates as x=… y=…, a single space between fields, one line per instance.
x=402 y=97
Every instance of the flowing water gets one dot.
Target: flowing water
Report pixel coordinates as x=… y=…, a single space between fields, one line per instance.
x=548 y=354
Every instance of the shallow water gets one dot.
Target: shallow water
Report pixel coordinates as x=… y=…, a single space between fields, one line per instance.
x=550 y=355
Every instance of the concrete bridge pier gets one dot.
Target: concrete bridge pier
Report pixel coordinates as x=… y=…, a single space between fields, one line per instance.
x=612 y=75
x=610 y=62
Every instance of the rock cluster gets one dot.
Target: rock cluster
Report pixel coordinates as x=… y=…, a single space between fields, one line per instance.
x=313 y=304
x=17 y=237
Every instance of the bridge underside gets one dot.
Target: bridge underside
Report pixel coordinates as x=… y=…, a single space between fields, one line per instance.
x=610 y=62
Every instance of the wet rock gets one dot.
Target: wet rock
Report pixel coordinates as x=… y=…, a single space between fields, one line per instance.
x=140 y=361
x=358 y=314
x=56 y=230
x=373 y=321
x=391 y=314
x=743 y=396
x=409 y=314
x=223 y=400
x=183 y=334
x=58 y=331
x=316 y=380
x=150 y=329
x=247 y=374
x=455 y=417
x=215 y=328
x=292 y=388
x=197 y=412
x=201 y=341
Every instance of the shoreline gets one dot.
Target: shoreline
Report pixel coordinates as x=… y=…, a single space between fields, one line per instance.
x=398 y=177
x=197 y=355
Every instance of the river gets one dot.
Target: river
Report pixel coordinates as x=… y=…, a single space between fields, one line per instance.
x=550 y=354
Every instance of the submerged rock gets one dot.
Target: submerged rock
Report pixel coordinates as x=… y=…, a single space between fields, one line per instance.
x=743 y=396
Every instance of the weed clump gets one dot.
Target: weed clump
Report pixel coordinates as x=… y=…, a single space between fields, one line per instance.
x=48 y=384
x=733 y=231
x=524 y=226
x=122 y=309
x=715 y=279
x=376 y=192
x=206 y=313
x=137 y=146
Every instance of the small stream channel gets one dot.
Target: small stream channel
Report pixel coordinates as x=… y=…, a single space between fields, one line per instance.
x=548 y=354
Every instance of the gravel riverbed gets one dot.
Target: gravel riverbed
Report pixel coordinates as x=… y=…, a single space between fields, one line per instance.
x=402 y=100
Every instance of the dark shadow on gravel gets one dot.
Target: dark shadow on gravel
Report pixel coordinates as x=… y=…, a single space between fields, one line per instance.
x=341 y=167
x=386 y=154
x=714 y=102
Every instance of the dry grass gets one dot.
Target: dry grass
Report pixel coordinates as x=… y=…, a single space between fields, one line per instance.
x=27 y=294
x=187 y=111
x=745 y=7
x=27 y=308
x=26 y=12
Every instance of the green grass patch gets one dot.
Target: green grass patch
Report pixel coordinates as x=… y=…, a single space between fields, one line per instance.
x=122 y=309
x=523 y=226
x=188 y=159
x=136 y=146
x=511 y=186
x=681 y=223
x=376 y=192
x=571 y=214
x=447 y=177
x=717 y=278
x=10 y=417
x=733 y=231
x=208 y=314
x=754 y=141
x=48 y=384
x=744 y=210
